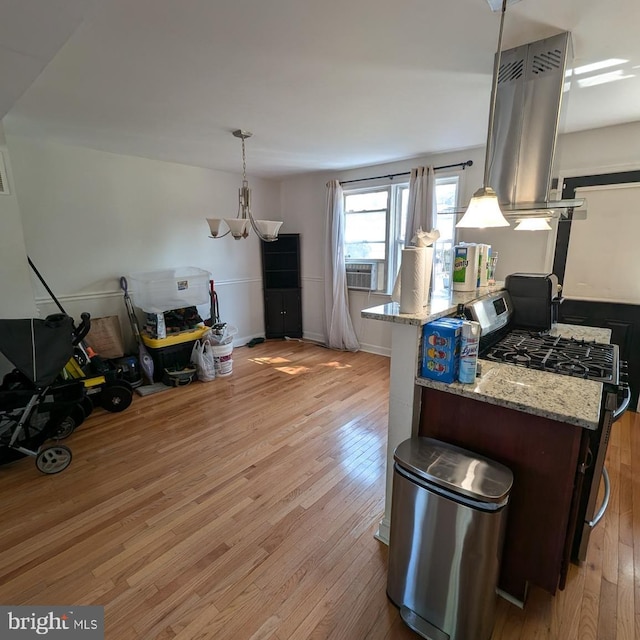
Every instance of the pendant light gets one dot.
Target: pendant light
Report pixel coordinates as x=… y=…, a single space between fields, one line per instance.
x=266 y=230
x=484 y=209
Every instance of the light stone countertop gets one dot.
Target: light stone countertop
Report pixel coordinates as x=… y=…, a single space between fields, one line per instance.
x=579 y=332
x=441 y=303
x=565 y=398
x=550 y=395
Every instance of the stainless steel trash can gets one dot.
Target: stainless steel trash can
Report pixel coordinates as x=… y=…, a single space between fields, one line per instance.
x=448 y=513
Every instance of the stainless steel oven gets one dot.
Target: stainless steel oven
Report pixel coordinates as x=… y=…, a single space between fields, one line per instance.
x=500 y=342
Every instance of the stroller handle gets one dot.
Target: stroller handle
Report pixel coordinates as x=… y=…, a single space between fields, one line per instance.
x=82 y=329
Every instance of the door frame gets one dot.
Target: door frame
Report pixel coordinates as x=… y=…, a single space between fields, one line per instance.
x=622 y=319
x=569 y=186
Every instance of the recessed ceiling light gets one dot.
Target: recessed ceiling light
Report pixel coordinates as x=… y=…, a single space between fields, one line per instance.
x=603 y=78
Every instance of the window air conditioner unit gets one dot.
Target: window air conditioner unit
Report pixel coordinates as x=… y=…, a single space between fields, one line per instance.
x=362 y=275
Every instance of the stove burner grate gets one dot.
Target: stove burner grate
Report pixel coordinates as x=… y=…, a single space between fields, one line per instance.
x=566 y=356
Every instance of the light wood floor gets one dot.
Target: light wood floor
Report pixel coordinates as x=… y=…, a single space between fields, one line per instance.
x=245 y=508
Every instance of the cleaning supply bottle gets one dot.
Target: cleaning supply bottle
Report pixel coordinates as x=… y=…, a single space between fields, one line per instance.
x=469 y=343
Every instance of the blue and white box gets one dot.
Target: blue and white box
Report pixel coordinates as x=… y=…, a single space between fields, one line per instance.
x=440 y=357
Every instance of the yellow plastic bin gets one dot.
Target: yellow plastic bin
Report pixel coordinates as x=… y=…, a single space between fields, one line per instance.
x=173 y=352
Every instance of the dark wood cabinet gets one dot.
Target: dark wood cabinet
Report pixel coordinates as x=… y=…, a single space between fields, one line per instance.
x=624 y=322
x=281 y=287
x=544 y=456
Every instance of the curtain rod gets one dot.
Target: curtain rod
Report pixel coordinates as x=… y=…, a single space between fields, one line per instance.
x=391 y=176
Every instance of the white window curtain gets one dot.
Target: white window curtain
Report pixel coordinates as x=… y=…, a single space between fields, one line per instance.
x=422 y=189
x=339 y=333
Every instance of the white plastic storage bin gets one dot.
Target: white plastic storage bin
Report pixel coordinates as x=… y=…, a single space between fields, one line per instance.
x=160 y=291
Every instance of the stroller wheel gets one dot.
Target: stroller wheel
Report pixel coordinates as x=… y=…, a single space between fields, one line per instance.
x=69 y=423
x=116 y=397
x=53 y=459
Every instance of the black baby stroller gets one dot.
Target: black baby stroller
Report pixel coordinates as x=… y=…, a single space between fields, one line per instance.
x=34 y=407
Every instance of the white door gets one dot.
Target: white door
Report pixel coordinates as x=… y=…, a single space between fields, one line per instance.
x=603 y=259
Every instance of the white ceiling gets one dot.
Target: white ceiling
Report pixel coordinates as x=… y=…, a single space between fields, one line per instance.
x=322 y=84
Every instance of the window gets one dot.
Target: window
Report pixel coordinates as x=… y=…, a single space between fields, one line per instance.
x=375 y=219
x=446 y=200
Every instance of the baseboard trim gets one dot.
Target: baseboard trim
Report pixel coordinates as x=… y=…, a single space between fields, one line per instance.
x=383 y=531
x=374 y=348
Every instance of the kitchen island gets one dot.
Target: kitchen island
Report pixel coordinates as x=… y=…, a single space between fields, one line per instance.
x=404 y=394
x=530 y=419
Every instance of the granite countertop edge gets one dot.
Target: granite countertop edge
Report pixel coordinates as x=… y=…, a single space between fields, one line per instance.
x=561 y=407
x=440 y=304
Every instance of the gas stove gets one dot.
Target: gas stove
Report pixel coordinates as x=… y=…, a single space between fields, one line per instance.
x=566 y=356
x=500 y=342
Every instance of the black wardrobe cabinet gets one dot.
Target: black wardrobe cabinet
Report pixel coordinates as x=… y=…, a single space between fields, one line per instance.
x=281 y=286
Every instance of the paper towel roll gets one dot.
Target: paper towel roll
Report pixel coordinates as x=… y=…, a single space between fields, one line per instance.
x=465 y=266
x=428 y=267
x=484 y=252
x=412 y=280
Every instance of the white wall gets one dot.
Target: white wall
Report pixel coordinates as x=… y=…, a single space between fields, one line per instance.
x=303 y=204
x=90 y=217
x=86 y=217
x=16 y=292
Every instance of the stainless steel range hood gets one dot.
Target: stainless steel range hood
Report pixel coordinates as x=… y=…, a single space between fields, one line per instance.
x=531 y=84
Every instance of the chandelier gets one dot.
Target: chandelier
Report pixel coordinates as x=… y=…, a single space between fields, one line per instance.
x=238 y=227
x=484 y=210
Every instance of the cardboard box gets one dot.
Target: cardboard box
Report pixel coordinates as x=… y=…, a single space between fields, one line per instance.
x=440 y=357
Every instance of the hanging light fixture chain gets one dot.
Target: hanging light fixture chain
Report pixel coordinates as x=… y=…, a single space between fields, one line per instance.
x=244 y=162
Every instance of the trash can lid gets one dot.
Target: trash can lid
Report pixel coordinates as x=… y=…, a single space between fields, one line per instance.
x=455 y=469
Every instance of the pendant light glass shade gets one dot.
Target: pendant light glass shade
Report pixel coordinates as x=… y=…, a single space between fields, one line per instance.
x=269 y=228
x=533 y=224
x=483 y=211
x=238 y=227
x=214 y=226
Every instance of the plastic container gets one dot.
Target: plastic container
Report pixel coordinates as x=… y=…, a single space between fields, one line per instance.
x=222 y=359
x=160 y=291
x=173 y=352
x=176 y=338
